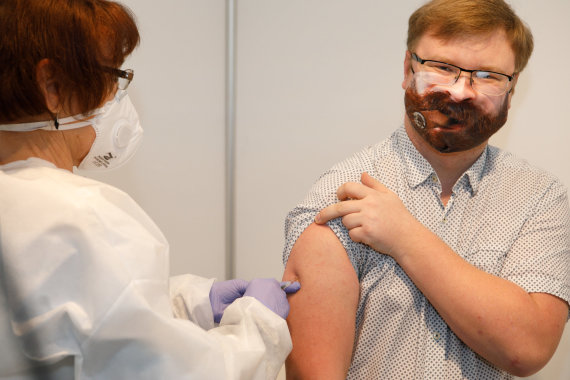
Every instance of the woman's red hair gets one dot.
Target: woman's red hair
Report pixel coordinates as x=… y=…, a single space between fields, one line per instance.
x=79 y=38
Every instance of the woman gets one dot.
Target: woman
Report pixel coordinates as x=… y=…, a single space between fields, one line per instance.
x=84 y=269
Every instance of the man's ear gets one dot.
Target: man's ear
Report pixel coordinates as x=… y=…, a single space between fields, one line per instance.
x=47 y=85
x=407 y=70
x=512 y=90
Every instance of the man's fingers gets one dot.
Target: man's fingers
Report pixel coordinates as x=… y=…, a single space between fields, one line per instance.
x=351 y=190
x=373 y=183
x=356 y=234
x=351 y=221
x=336 y=210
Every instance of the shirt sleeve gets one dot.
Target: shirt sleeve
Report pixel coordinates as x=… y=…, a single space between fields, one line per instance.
x=191 y=301
x=323 y=194
x=539 y=259
x=190 y=297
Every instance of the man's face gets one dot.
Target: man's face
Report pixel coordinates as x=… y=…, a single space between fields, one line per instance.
x=457 y=118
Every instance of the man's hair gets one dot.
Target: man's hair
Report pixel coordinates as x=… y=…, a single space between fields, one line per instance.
x=81 y=39
x=450 y=19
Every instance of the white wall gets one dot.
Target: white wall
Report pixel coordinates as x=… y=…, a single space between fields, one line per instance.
x=316 y=81
x=179 y=89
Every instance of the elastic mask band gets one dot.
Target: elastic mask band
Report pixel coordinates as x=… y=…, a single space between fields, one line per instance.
x=70 y=122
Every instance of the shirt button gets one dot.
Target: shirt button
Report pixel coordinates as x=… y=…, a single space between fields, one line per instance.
x=436 y=337
x=444 y=220
x=434 y=178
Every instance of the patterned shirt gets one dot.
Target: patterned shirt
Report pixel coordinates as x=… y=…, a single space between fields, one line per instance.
x=504 y=217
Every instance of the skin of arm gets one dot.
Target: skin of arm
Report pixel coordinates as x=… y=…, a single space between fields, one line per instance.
x=515 y=330
x=323 y=313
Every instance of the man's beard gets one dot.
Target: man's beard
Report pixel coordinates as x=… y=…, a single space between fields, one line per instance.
x=465 y=126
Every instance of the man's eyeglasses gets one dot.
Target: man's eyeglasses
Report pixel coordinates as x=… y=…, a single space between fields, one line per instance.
x=124 y=77
x=483 y=81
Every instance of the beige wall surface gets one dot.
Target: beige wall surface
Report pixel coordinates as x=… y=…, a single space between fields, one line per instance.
x=316 y=80
x=177 y=175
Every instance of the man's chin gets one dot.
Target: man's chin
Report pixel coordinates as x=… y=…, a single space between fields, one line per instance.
x=448 y=139
x=450 y=127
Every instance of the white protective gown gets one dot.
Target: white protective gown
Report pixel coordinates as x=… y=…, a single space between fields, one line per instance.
x=85 y=274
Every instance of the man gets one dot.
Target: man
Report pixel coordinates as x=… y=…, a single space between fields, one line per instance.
x=446 y=258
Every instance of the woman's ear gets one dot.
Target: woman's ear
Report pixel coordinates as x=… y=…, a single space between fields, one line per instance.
x=47 y=85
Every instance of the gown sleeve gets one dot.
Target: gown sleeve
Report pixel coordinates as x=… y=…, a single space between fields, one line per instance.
x=88 y=292
x=251 y=342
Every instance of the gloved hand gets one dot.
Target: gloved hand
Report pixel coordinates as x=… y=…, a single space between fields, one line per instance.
x=272 y=294
x=223 y=293
x=268 y=291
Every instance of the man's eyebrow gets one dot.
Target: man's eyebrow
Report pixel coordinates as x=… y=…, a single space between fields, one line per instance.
x=494 y=69
x=480 y=68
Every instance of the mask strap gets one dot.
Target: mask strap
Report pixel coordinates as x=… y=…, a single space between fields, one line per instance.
x=69 y=122
x=56 y=121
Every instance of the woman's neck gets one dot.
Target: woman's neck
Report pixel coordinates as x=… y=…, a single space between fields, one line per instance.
x=48 y=145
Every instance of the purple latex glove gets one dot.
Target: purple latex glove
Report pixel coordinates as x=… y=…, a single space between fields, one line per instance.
x=272 y=294
x=268 y=291
x=223 y=293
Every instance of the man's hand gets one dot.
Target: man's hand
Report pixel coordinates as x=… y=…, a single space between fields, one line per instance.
x=373 y=214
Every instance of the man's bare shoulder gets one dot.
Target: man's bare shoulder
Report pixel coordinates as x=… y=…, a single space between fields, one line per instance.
x=323 y=312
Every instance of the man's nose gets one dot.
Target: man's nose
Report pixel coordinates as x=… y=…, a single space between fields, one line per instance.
x=462 y=89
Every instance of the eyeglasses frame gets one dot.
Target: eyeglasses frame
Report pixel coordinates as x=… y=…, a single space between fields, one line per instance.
x=416 y=58
x=127 y=74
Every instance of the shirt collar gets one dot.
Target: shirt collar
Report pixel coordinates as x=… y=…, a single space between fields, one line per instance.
x=418 y=169
x=475 y=172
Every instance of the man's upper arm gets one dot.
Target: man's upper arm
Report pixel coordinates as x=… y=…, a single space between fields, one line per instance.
x=323 y=312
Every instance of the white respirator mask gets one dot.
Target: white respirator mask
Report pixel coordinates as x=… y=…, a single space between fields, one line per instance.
x=118 y=132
